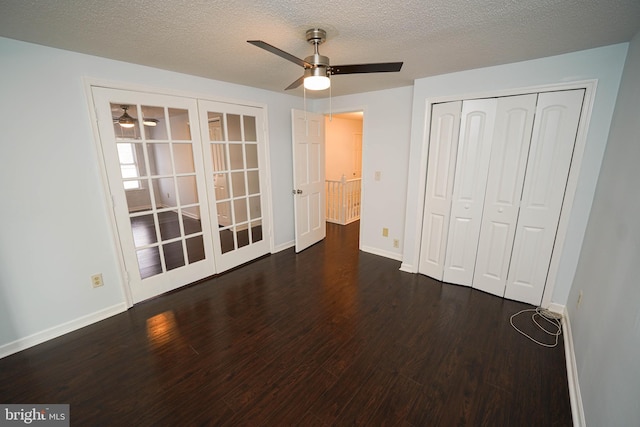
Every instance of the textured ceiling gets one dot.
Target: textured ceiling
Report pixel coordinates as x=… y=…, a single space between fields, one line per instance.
x=208 y=38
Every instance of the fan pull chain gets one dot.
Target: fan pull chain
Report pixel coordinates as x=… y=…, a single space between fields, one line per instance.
x=304 y=97
x=330 y=104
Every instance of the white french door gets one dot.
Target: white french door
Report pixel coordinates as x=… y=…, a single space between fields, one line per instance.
x=235 y=166
x=153 y=158
x=308 y=178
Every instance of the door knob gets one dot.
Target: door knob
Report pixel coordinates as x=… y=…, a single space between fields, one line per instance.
x=296 y=191
x=500 y=210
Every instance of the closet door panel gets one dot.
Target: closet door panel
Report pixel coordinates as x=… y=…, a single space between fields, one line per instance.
x=552 y=143
x=509 y=153
x=443 y=144
x=474 y=149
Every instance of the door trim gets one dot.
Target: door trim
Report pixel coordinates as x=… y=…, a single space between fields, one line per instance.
x=88 y=83
x=590 y=87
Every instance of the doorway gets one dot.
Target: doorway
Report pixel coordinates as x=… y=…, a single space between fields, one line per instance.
x=343 y=167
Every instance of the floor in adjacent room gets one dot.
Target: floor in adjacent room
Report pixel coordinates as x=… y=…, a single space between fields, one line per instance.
x=330 y=336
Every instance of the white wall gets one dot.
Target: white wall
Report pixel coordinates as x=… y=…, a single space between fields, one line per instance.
x=606 y=325
x=55 y=230
x=604 y=64
x=385 y=148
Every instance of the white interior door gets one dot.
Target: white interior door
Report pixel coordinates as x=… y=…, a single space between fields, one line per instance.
x=552 y=143
x=154 y=165
x=509 y=153
x=308 y=178
x=472 y=165
x=236 y=173
x=443 y=146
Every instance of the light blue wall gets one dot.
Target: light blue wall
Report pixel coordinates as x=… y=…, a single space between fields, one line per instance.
x=606 y=325
x=604 y=64
x=54 y=225
x=386 y=132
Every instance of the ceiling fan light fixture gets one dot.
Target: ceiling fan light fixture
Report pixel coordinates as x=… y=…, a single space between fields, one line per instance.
x=316 y=79
x=125 y=120
x=150 y=122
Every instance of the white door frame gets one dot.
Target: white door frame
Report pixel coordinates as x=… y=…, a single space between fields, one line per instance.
x=364 y=170
x=88 y=83
x=572 y=182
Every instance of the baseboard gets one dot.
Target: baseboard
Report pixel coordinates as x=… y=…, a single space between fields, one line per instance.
x=577 y=410
x=64 y=328
x=283 y=246
x=557 y=308
x=386 y=254
x=407 y=268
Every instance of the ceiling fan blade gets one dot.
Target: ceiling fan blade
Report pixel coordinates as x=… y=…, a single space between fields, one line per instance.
x=295 y=84
x=383 y=67
x=281 y=53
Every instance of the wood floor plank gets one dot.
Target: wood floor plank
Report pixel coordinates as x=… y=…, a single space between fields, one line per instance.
x=329 y=336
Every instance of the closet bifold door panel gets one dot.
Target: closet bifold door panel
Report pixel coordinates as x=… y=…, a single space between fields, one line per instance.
x=467 y=202
x=552 y=144
x=507 y=167
x=443 y=146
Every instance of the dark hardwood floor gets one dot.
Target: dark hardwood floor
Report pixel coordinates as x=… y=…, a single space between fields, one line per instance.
x=330 y=336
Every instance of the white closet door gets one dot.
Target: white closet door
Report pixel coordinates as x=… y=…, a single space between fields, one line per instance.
x=443 y=145
x=509 y=152
x=472 y=166
x=552 y=142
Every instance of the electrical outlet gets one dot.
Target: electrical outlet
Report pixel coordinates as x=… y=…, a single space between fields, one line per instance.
x=96 y=280
x=396 y=243
x=377 y=175
x=579 y=299
x=385 y=232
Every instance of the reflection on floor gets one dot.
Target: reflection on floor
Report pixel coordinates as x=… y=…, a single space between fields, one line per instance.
x=330 y=336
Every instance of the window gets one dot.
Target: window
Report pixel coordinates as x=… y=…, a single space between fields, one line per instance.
x=128 y=166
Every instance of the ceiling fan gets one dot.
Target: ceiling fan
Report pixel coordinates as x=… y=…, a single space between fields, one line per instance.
x=317 y=68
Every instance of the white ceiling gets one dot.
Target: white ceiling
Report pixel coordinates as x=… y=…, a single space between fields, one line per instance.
x=208 y=37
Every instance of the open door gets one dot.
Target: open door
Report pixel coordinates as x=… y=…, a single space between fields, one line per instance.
x=308 y=178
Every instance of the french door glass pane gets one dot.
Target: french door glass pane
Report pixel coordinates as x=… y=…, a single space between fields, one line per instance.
x=237 y=183
x=154 y=123
x=149 y=262
x=256 y=231
x=251 y=151
x=179 y=123
x=216 y=126
x=195 y=249
x=169 y=225
x=233 y=122
x=235 y=156
x=236 y=180
x=249 y=128
x=184 y=158
x=186 y=188
x=160 y=159
x=173 y=255
x=164 y=207
x=219 y=157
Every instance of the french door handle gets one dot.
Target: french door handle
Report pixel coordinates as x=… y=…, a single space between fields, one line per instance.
x=296 y=191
